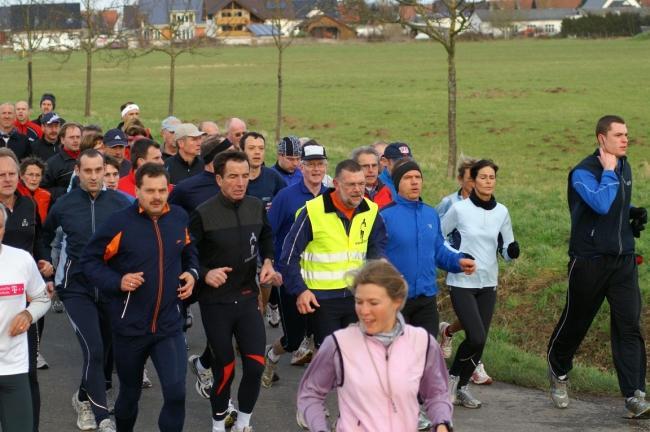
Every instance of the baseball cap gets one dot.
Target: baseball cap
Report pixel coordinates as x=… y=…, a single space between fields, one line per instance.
x=289 y=146
x=51 y=118
x=311 y=150
x=170 y=123
x=397 y=150
x=115 y=137
x=184 y=130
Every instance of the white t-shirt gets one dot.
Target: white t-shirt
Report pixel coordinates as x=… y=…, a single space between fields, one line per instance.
x=479 y=232
x=19 y=277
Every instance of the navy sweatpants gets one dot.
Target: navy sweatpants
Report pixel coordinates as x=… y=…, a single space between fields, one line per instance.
x=91 y=323
x=168 y=356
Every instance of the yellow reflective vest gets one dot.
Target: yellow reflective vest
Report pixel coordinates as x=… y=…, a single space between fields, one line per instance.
x=332 y=254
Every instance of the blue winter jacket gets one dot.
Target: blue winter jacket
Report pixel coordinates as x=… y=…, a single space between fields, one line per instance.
x=416 y=245
x=134 y=242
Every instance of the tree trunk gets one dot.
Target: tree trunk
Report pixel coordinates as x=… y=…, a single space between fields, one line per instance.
x=172 y=84
x=89 y=75
x=451 y=108
x=278 y=118
x=30 y=82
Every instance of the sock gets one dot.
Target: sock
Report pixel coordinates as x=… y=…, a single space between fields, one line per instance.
x=218 y=425
x=273 y=356
x=243 y=420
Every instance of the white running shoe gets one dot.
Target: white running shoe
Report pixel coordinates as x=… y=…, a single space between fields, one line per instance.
x=480 y=377
x=57 y=306
x=245 y=429
x=231 y=416
x=453 y=388
x=273 y=315
x=304 y=353
x=204 y=380
x=445 y=341
x=41 y=363
x=269 y=369
x=106 y=425
x=85 y=416
x=146 y=382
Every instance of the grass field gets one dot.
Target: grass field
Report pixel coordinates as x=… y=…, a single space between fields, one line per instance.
x=530 y=105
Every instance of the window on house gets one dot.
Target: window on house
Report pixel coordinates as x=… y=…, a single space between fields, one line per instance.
x=549 y=28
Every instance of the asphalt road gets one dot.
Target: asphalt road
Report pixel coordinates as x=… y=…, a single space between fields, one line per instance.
x=506 y=407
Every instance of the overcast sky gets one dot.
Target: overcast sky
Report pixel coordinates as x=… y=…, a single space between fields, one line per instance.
x=96 y=3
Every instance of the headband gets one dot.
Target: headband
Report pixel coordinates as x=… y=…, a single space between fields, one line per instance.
x=129 y=107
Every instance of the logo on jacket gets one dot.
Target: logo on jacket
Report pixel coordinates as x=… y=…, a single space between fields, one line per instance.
x=362 y=229
x=24 y=223
x=253 y=244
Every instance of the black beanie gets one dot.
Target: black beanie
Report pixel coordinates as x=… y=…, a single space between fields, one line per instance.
x=50 y=97
x=400 y=170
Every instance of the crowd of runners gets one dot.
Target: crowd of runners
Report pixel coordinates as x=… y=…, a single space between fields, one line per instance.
x=128 y=236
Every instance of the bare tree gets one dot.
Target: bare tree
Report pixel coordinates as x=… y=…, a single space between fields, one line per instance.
x=503 y=20
x=175 y=38
x=444 y=26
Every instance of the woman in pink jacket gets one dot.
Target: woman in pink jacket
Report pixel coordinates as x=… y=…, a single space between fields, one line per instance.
x=379 y=367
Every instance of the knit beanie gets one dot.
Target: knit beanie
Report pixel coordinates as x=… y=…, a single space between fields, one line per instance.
x=401 y=169
x=50 y=97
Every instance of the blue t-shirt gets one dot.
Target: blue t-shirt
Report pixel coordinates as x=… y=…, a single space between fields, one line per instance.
x=266 y=186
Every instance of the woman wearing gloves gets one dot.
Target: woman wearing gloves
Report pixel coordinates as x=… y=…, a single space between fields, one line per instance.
x=479 y=220
x=378 y=366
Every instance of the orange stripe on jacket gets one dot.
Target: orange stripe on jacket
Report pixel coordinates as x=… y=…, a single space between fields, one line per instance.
x=188 y=240
x=112 y=247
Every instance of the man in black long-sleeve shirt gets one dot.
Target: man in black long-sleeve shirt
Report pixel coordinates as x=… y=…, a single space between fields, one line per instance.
x=231 y=230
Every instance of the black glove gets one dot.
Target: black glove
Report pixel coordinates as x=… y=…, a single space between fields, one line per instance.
x=513 y=250
x=639 y=214
x=637 y=227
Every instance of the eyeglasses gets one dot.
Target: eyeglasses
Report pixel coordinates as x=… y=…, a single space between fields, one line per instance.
x=33 y=175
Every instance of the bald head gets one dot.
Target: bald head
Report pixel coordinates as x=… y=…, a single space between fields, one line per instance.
x=7 y=117
x=22 y=111
x=235 y=128
x=209 y=127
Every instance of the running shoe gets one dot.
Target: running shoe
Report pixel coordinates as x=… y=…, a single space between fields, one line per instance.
x=204 y=379
x=304 y=352
x=480 y=377
x=85 y=416
x=269 y=369
x=146 y=382
x=40 y=362
x=231 y=415
x=465 y=398
x=301 y=421
x=245 y=429
x=445 y=341
x=424 y=424
x=638 y=407
x=57 y=306
x=106 y=425
x=273 y=315
x=559 y=390
x=453 y=388
x=189 y=320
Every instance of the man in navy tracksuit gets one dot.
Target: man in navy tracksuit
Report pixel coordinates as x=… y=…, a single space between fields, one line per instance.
x=144 y=260
x=416 y=246
x=603 y=265
x=79 y=213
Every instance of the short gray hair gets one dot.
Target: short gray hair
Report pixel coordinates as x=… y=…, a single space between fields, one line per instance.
x=364 y=150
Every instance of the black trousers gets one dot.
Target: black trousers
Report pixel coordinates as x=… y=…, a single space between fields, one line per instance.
x=294 y=325
x=474 y=308
x=422 y=312
x=591 y=281
x=32 y=340
x=15 y=410
x=333 y=314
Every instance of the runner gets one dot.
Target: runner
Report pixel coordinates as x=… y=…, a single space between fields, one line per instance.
x=281 y=216
x=138 y=260
x=368 y=158
x=288 y=163
x=392 y=154
x=479 y=221
x=186 y=162
x=379 y=367
x=603 y=265
x=231 y=231
x=19 y=278
x=79 y=213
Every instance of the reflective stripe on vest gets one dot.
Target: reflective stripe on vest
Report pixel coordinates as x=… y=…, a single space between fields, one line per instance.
x=332 y=254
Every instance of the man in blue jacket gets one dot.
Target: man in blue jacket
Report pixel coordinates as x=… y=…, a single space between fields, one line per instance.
x=603 y=265
x=144 y=260
x=416 y=246
x=79 y=213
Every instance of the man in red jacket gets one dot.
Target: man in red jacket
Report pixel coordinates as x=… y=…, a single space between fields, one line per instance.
x=24 y=125
x=143 y=151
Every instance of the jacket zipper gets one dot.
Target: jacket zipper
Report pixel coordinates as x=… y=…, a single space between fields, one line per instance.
x=92 y=220
x=160 y=276
x=620 y=217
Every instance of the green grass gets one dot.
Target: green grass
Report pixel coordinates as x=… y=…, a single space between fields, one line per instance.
x=531 y=105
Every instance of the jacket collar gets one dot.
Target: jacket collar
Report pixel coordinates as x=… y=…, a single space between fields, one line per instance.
x=408 y=203
x=331 y=208
x=486 y=205
x=226 y=202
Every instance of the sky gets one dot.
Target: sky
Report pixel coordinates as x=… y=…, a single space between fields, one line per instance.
x=96 y=3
